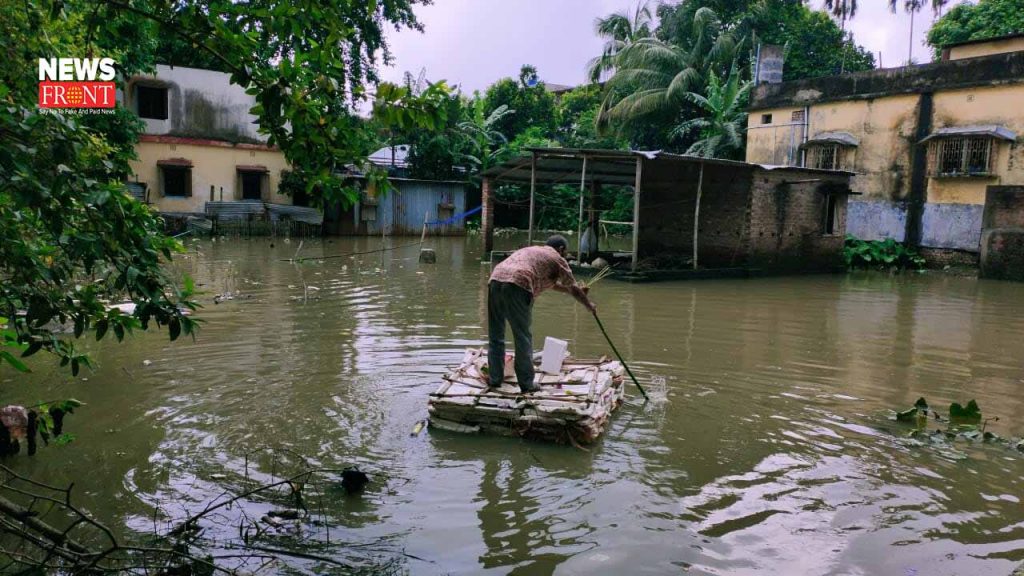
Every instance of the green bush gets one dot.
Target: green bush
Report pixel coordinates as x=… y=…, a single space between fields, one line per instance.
x=886 y=253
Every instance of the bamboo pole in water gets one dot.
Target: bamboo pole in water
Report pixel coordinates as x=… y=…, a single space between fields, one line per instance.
x=619 y=356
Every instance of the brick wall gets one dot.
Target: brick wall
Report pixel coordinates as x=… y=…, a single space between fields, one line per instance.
x=667 y=199
x=787 y=219
x=749 y=216
x=1002 y=236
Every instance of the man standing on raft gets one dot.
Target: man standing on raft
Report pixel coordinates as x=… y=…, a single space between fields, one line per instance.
x=514 y=284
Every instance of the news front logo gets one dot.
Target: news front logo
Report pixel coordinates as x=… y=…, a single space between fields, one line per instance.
x=76 y=84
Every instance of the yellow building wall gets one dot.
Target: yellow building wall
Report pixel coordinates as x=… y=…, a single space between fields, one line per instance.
x=1002 y=105
x=211 y=166
x=986 y=48
x=885 y=128
x=771 y=143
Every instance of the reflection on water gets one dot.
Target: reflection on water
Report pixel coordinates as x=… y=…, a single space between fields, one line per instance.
x=771 y=454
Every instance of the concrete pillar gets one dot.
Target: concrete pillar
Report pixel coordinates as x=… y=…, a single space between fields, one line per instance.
x=487 y=217
x=918 y=172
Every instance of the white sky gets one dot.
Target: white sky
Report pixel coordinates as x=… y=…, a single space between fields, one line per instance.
x=472 y=43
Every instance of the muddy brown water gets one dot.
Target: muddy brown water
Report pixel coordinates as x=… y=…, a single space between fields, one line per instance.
x=767 y=451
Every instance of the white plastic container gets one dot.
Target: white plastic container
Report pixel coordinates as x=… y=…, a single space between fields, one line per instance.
x=554 y=352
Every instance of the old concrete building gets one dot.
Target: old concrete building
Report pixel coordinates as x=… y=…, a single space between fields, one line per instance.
x=924 y=141
x=200 y=144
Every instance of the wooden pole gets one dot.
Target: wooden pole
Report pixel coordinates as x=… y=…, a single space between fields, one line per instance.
x=619 y=356
x=487 y=217
x=696 y=214
x=423 y=236
x=533 y=192
x=592 y=216
x=579 y=223
x=636 y=210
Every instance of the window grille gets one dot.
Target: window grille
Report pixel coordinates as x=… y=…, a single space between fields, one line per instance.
x=151 y=102
x=824 y=156
x=177 y=180
x=962 y=156
x=798 y=116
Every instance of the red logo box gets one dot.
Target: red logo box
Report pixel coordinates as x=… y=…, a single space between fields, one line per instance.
x=77 y=94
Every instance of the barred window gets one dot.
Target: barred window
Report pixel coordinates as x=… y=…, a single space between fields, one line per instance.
x=963 y=156
x=825 y=156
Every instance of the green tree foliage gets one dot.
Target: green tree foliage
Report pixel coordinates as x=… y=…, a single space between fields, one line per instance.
x=619 y=30
x=485 y=143
x=842 y=9
x=534 y=106
x=723 y=117
x=72 y=239
x=653 y=76
x=576 y=120
x=815 y=46
x=306 y=65
x=986 y=19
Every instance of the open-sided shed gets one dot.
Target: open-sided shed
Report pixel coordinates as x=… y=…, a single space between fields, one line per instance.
x=749 y=215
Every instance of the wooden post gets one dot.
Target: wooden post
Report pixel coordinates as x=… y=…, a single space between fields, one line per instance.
x=487 y=217
x=636 y=210
x=579 y=223
x=533 y=191
x=595 y=191
x=696 y=214
x=423 y=236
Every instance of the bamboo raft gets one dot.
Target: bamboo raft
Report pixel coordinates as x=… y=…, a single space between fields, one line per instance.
x=572 y=407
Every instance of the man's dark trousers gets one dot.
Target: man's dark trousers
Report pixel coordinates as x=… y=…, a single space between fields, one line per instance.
x=512 y=303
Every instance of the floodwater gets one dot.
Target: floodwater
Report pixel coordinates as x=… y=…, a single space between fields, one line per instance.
x=768 y=448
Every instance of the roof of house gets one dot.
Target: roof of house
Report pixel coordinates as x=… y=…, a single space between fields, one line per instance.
x=984 y=40
x=562 y=165
x=833 y=137
x=552 y=87
x=396 y=155
x=990 y=130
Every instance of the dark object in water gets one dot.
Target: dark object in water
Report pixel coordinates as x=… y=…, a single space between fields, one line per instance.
x=353 y=480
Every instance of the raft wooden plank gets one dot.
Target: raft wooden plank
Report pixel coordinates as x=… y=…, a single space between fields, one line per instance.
x=573 y=406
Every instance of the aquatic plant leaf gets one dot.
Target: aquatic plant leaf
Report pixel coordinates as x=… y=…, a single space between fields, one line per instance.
x=972 y=413
x=907 y=415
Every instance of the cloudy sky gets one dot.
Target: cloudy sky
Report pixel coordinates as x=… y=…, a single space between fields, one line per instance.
x=472 y=43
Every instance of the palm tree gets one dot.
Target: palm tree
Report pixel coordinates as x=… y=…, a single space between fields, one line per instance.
x=912 y=7
x=720 y=130
x=653 y=76
x=619 y=31
x=842 y=9
x=486 y=143
x=721 y=127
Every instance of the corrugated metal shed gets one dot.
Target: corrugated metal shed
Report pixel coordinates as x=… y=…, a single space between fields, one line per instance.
x=401 y=211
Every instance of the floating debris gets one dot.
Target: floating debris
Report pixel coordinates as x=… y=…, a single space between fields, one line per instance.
x=353 y=480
